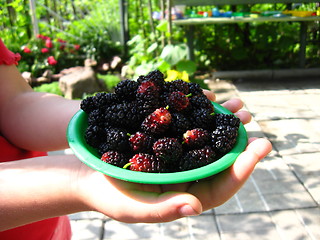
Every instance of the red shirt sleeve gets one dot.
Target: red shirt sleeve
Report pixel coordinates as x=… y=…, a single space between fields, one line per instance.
x=7 y=57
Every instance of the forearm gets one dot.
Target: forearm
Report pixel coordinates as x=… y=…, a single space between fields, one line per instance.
x=32 y=120
x=38 y=188
x=38 y=121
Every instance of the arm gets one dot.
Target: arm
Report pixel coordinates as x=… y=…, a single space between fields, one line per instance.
x=32 y=120
x=39 y=188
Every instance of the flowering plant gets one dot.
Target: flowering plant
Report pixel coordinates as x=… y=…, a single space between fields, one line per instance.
x=44 y=53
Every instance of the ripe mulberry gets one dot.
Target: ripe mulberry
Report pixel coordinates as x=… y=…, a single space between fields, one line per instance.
x=223 y=138
x=115 y=158
x=197 y=158
x=168 y=149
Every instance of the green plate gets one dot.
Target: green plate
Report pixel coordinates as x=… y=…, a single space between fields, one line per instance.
x=88 y=155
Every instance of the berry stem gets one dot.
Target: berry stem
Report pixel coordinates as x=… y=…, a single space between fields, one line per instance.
x=127 y=165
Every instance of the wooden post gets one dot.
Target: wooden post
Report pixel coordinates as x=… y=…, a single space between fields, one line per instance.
x=34 y=17
x=123 y=5
x=169 y=18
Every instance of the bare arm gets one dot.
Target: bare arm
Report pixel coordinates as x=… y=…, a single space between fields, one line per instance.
x=32 y=120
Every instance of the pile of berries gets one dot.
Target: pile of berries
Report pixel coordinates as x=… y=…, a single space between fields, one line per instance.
x=150 y=125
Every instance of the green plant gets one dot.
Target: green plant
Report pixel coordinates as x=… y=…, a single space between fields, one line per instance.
x=110 y=80
x=42 y=53
x=49 y=88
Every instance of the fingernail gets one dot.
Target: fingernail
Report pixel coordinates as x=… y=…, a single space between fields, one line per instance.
x=187 y=210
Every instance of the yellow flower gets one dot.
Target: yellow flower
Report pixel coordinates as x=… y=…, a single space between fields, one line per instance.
x=174 y=75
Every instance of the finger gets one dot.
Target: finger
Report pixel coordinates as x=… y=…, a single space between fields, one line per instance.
x=150 y=207
x=219 y=189
x=233 y=104
x=210 y=95
x=244 y=116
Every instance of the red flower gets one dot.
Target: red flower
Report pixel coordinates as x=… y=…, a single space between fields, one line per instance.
x=44 y=50
x=43 y=37
x=61 y=41
x=76 y=47
x=49 y=43
x=26 y=50
x=51 y=60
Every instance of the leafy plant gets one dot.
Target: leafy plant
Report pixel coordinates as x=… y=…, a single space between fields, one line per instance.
x=49 y=88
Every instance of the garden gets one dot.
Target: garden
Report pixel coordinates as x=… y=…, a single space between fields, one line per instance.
x=72 y=36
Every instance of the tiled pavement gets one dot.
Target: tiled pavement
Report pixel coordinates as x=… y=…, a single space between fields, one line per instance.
x=281 y=200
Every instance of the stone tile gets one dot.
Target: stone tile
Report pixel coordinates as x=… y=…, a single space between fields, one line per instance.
x=289 y=201
x=254 y=130
x=203 y=228
x=178 y=229
x=114 y=230
x=280 y=186
x=271 y=234
x=272 y=168
x=307 y=168
x=86 y=229
x=290 y=225
x=275 y=107
x=232 y=206
x=252 y=224
x=292 y=136
x=310 y=218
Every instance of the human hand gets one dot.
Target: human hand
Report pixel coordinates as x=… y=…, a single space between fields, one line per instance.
x=132 y=202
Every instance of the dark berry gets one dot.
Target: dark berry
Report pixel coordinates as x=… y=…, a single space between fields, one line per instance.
x=223 y=138
x=157 y=77
x=197 y=158
x=227 y=120
x=124 y=115
x=200 y=101
x=94 y=135
x=115 y=158
x=177 y=86
x=177 y=101
x=168 y=149
x=141 y=142
x=147 y=88
x=114 y=139
x=157 y=122
x=126 y=89
x=143 y=162
x=195 y=89
x=98 y=101
x=196 y=138
x=203 y=118
x=179 y=124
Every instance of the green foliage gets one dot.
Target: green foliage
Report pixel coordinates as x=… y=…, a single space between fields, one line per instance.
x=110 y=80
x=49 y=88
x=95 y=26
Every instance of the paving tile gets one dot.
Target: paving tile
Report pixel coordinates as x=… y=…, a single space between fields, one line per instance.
x=247 y=226
x=114 y=230
x=289 y=201
x=310 y=218
x=272 y=168
x=307 y=168
x=233 y=205
x=203 y=228
x=178 y=229
x=292 y=136
x=290 y=225
x=86 y=229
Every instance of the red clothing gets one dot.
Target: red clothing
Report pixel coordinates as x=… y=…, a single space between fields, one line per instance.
x=57 y=228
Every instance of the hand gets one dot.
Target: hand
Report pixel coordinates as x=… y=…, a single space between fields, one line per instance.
x=132 y=202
